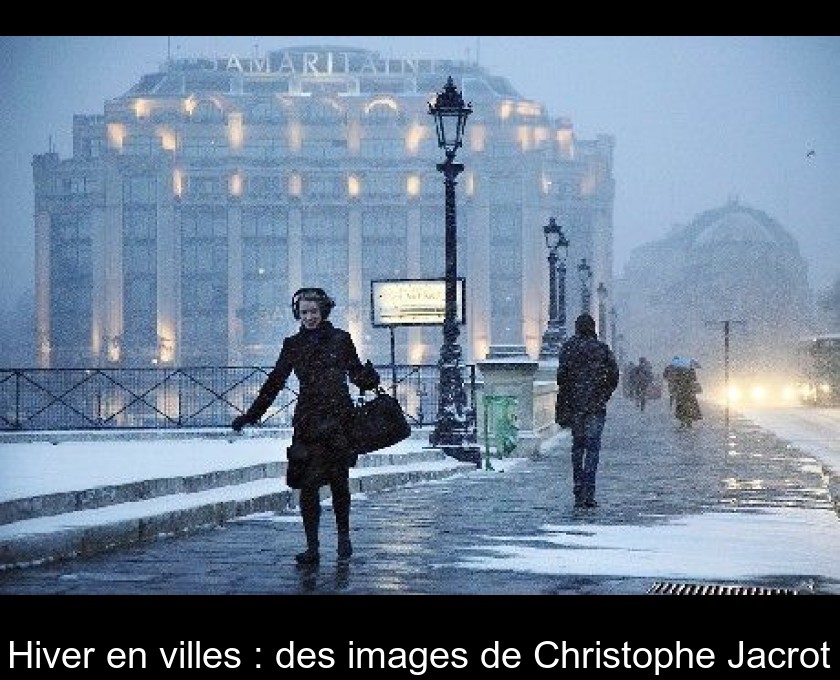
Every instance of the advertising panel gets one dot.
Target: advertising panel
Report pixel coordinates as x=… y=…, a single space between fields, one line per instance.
x=413 y=302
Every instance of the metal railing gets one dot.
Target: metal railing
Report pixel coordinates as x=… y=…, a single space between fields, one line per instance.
x=186 y=397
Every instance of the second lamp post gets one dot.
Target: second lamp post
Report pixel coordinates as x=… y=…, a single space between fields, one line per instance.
x=558 y=247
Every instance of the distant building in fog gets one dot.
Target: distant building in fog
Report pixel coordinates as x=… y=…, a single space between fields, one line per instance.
x=201 y=199
x=730 y=263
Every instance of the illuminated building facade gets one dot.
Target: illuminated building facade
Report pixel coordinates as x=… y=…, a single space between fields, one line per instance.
x=203 y=197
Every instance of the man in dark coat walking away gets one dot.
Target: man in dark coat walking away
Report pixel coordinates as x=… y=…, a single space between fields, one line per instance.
x=587 y=375
x=322 y=357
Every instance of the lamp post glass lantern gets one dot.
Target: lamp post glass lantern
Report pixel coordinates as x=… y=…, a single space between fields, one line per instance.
x=555 y=332
x=455 y=426
x=585 y=273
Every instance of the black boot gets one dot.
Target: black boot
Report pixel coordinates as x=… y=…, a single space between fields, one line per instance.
x=310 y=512
x=345 y=547
x=308 y=558
x=341 y=508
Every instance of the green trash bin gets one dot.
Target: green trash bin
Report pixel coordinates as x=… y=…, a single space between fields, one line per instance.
x=501 y=426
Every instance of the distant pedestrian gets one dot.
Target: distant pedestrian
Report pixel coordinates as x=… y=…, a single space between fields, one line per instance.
x=642 y=382
x=322 y=357
x=686 y=388
x=587 y=376
x=628 y=380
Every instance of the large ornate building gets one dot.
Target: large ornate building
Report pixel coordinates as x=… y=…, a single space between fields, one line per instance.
x=731 y=264
x=201 y=199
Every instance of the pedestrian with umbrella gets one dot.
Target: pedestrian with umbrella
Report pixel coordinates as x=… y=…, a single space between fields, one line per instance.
x=682 y=379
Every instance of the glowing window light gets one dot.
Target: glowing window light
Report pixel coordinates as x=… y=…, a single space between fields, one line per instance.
x=142 y=108
x=470 y=187
x=540 y=134
x=236 y=184
x=354 y=186
x=505 y=110
x=414 y=136
x=235 y=131
x=295 y=184
x=525 y=137
x=295 y=135
x=417 y=352
x=116 y=135
x=177 y=183
x=412 y=185
x=529 y=109
x=166 y=348
x=168 y=140
x=565 y=142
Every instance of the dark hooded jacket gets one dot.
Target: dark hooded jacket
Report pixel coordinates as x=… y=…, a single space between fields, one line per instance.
x=322 y=359
x=587 y=372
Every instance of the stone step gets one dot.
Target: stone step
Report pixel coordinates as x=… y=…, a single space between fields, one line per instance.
x=19 y=509
x=122 y=516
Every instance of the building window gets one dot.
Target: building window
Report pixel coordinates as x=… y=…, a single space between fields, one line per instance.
x=263 y=186
x=207 y=111
x=140 y=189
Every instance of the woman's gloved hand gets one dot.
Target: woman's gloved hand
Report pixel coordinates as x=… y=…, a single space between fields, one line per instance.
x=368 y=378
x=239 y=422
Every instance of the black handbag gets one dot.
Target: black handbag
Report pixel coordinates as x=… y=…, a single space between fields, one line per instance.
x=297 y=452
x=378 y=423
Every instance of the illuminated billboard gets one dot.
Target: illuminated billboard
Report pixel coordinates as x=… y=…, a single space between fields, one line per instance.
x=413 y=302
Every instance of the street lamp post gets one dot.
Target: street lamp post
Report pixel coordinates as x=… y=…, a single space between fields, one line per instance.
x=453 y=431
x=602 y=310
x=585 y=274
x=558 y=246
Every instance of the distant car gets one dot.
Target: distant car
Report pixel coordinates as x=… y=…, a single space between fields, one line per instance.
x=760 y=390
x=819 y=358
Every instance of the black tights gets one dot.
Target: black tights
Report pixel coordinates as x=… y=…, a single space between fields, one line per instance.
x=310 y=508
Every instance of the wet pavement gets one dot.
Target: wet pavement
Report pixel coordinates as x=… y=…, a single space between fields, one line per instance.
x=461 y=535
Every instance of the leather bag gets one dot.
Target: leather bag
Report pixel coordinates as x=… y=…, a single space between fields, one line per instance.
x=298 y=455
x=378 y=423
x=298 y=452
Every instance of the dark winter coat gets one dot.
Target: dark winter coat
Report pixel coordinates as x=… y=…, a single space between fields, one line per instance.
x=322 y=359
x=644 y=376
x=686 y=388
x=587 y=374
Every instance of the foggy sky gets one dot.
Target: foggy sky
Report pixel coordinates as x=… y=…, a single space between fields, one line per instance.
x=697 y=120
